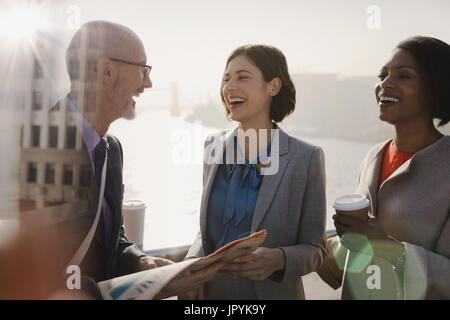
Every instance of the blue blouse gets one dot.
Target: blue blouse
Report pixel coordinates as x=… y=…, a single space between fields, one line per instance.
x=232 y=200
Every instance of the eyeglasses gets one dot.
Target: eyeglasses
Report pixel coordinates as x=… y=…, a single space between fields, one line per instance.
x=146 y=67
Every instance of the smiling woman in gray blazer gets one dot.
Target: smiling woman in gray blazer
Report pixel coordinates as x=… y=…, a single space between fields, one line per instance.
x=278 y=186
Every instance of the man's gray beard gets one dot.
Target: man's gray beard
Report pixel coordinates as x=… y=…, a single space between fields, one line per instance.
x=130 y=112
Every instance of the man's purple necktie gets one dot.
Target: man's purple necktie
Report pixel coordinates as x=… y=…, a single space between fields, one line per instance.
x=99 y=160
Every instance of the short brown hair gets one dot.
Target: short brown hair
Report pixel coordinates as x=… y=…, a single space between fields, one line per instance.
x=272 y=63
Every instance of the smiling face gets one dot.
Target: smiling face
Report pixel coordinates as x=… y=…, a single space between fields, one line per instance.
x=130 y=82
x=245 y=93
x=400 y=93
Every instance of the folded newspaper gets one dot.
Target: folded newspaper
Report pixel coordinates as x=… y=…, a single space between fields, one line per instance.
x=145 y=285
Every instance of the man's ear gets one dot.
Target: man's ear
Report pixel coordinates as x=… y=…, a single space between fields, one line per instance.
x=274 y=86
x=105 y=70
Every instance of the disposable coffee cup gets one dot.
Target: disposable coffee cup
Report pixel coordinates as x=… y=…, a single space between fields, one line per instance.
x=353 y=205
x=133 y=212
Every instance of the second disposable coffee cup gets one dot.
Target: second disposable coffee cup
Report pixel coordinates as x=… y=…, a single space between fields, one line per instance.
x=133 y=220
x=353 y=205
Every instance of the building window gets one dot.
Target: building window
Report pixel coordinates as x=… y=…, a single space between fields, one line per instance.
x=35 y=136
x=53 y=137
x=74 y=70
x=92 y=70
x=74 y=98
x=67 y=175
x=37 y=100
x=89 y=101
x=85 y=175
x=38 y=72
x=49 y=173
x=71 y=132
x=32 y=172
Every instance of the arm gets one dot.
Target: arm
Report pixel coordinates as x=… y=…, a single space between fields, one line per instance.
x=332 y=271
x=128 y=254
x=311 y=252
x=196 y=249
x=427 y=271
x=130 y=258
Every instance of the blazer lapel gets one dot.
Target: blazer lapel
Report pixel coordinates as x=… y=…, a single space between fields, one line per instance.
x=403 y=169
x=372 y=176
x=270 y=183
x=213 y=162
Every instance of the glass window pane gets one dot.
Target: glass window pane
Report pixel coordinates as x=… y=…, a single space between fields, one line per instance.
x=49 y=173
x=67 y=174
x=35 y=136
x=37 y=100
x=74 y=70
x=70 y=137
x=53 y=137
x=32 y=172
x=38 y=72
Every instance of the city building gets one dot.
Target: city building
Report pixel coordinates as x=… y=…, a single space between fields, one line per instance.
x=54 y=167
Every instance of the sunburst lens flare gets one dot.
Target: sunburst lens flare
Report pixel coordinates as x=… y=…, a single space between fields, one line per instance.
x=20 y=23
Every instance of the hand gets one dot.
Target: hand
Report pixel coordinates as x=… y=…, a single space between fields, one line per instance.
x=147 y=262
x=195 y=294
x=370 y=228
x=188 y=281
x=258 y=265
x=367 y=236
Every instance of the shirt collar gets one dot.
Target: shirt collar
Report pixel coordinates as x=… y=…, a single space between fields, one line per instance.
x=90 y=136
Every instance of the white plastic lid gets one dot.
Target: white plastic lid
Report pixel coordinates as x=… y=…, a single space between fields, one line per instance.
x=133 y=205
x=350 y=202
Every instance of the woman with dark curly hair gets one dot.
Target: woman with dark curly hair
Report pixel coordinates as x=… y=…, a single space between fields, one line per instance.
x=273 y=182
x=403 y=250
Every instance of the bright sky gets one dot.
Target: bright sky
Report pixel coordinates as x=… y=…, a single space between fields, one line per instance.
x=189 y=41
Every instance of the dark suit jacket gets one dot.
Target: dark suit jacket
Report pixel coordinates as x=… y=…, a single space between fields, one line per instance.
x=68 y=223
x=122 y=256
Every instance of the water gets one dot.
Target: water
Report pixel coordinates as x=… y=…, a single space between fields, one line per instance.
x=163 y=168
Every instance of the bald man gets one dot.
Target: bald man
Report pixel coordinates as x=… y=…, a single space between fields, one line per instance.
x=107 y=67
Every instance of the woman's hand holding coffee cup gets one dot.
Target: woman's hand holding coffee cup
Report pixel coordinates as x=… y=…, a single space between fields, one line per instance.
x=362 y=233
x=367 y=236
x=370 y=228
x=352 y=216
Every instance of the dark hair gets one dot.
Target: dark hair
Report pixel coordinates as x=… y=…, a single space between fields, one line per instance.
x=272 y=63
x=433 y=59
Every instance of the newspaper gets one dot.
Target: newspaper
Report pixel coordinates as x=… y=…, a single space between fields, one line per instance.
x=146 y=284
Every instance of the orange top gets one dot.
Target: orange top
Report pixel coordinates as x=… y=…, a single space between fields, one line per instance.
x=392 y=160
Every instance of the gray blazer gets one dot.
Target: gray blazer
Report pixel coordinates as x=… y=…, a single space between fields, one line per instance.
x=291 y=206
x=413 y=205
